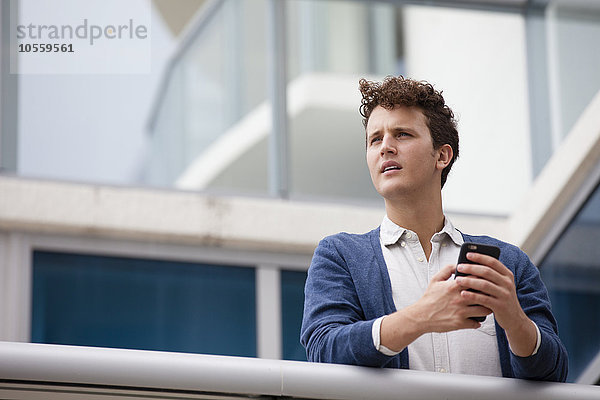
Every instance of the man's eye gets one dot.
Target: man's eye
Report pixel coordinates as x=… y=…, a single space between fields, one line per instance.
x=377 y=139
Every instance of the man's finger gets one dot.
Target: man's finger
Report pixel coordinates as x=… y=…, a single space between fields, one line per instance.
x=488 y=261
x=444 y=273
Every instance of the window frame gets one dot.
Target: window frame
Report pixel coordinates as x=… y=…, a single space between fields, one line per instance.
x=17 y=273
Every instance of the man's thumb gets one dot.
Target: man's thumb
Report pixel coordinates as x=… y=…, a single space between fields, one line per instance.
x=444 y=273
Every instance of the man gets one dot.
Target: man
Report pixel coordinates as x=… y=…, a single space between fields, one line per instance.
x=387 y=298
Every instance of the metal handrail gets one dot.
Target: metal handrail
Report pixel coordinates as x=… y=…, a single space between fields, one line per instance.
x=119 y=369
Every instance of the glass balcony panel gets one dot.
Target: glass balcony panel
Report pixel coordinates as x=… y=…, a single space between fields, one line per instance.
x=206 y=130
x=571 y=271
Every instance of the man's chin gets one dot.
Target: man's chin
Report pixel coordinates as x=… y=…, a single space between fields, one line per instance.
x=390 y=192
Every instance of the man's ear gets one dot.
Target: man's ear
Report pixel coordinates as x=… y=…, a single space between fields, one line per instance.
x=445 y=155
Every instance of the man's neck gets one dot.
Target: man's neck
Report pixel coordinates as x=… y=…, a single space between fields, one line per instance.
x=425 y=217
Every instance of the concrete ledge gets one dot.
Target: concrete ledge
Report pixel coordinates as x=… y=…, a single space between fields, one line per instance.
x=174 y=217
x=152 y=215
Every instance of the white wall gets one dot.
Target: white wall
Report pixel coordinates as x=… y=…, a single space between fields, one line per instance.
x=478 y=60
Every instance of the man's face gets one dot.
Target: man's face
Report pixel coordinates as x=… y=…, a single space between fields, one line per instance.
x=400 y=152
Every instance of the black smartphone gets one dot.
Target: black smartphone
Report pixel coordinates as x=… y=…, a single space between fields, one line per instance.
x=468 y=247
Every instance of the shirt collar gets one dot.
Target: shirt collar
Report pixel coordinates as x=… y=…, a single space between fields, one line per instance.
x=450 y=231
x=390 y=233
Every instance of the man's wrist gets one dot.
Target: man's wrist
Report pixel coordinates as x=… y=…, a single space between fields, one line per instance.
x=376 y=332
x=417 y=320
x=524 y=338
x=400 y=329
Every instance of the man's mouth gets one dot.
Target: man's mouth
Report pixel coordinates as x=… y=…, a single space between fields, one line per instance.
x=390 y=166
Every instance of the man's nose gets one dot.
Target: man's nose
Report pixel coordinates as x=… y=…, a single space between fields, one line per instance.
x=388 y=145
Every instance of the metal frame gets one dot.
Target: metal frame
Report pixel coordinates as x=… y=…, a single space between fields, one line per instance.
x=279 y=177
x=554 y=95
x=9 y=90
x=197 y=26
x=15 y=296
x=511 y=6
x=538 y=78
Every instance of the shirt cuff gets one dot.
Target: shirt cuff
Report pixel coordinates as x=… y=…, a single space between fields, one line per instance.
x=538 y=341
x=376 y=333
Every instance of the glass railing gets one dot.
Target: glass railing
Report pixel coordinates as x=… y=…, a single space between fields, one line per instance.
x=211 y=128
x=343 y=37
x=215 y=80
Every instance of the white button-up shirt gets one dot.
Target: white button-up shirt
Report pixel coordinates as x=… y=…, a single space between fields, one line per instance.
x=467 y=351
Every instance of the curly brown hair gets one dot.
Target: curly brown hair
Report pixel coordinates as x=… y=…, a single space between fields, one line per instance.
x=410 y=93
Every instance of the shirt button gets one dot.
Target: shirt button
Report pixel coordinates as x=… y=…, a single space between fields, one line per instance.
x=409 y=235
x=420 y=259
x=403 y=244
x=443 y=370
x=444 y=245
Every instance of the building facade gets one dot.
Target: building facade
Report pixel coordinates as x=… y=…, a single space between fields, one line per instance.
x=186 y=222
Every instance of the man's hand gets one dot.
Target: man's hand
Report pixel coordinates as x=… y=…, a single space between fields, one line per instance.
x=498 y=293
x=442 y=308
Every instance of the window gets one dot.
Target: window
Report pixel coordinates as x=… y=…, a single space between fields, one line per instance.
x=143 y=304
x=292 y=308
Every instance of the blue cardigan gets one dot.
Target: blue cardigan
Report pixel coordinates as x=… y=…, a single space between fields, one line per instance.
x=348 y=287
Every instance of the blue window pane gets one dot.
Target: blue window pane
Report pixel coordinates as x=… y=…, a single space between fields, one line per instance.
x=292 y=306
x=143 y=304
x=571 y=271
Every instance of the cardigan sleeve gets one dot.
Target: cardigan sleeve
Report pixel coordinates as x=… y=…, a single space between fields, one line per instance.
x=550 y=363
x=334 y=329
